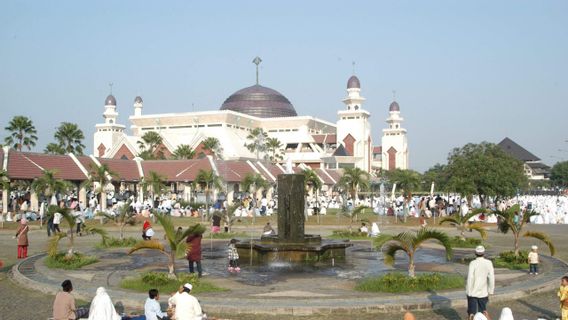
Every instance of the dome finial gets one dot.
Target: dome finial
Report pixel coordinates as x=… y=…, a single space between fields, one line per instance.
x=353 y=67
x=257 y=61
x=110 y=84
x=394 y=95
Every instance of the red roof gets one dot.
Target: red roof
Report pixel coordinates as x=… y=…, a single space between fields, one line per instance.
x=176 y=170
x=126 y=170
x=377 y=149
x=86 y=162
x=189 y=173
x=234 y=170
x=335 y=174
x=65 y=168
x=326 y=179
x=325 y=138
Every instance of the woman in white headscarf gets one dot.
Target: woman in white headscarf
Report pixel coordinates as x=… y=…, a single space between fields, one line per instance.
x=506 y=314
x=479 y=316
x=102 y=307
x=375 y=230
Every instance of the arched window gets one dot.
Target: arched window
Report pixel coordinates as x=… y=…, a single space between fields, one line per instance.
x=356 y=107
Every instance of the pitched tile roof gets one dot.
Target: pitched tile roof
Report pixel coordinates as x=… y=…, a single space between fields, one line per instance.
x=516 y=151
x=20 y=167
x=176 y=170
x=190 y=171
x=126 y=170
x=340 y=151
x=63 y=165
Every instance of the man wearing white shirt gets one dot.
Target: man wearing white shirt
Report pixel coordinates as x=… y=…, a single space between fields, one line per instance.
x=152 y=309
x=187 y=306
x=480 y=283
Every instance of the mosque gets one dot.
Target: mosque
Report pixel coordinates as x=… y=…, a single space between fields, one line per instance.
x=306 y=141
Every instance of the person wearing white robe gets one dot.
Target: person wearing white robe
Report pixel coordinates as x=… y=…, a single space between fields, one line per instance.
x=506 y=314
x=102 y=308
x=374 y=230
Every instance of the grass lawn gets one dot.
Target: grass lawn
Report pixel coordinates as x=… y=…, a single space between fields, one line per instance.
x=457 y=242
x=61 y=261
x=160 y=281
x=397 y=282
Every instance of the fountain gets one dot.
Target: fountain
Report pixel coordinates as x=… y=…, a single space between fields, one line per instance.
x=291 y=244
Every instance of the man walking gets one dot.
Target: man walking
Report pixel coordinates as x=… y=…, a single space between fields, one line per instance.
x=480 y=283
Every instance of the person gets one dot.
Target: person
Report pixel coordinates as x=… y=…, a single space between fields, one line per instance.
x=152 y=309
x=56 y=221
x=64 y=303
x=147 y=231
x=102 y=307
x=364 y=229
x=216 y=224
x=22 y=236
x=533 y=260
x=375 y=230
x=79 y=219
x=267 y=230
x=480 y=283
x=506 y=314
x=422 y=221
x=479 y=316
x=233 y=255
x=194 y=252
x=409 y=316
x=563 y=296
x=186 y=306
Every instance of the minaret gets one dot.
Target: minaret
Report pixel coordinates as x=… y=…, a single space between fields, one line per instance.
x=107 y=134
x=138 y=106
x=394 y=141
x=353 y=126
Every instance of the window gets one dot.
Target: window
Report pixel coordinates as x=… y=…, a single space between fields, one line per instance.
x=356 y=107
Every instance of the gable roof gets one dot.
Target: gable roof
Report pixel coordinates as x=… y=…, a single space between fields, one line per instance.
x=516 y=151
x=341 y=152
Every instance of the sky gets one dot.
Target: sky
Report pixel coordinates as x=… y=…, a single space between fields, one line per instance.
x=463 y=71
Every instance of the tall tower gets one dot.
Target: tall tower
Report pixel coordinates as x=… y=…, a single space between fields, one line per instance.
x=354 y=128
x=394 y=143
x=109 y=133
x=138 y=106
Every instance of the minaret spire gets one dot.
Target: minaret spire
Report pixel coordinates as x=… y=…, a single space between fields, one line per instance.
x=257 y=61
x=353 y=67
x=110 y=84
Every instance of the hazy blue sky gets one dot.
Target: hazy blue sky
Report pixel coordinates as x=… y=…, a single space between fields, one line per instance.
x=464 y=71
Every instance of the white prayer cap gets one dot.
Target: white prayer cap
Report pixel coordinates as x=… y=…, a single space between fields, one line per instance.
x=534 y=247
x=480 y=250
x=188 y=286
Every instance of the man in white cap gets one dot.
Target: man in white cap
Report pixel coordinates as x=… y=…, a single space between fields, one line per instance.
x=187 y=306
x=480 y=283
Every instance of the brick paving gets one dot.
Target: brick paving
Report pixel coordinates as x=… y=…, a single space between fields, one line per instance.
x=541 y=305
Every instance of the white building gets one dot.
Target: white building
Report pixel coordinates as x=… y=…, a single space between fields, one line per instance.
x=394 y=145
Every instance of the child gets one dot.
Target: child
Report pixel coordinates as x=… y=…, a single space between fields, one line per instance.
x=233 y=257
x=563 y=295
x=533 y=260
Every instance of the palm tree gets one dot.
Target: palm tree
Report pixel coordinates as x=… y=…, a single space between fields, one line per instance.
x=99 y=178
x=183 y=151
x=48 y=185
x=208 y=181
x=258 y=141
x=22 y=133
x=406 y=180
x=312 y=181
x=54 y=148
x=410 y=242
x=70 y=138
x=274 y=147
x=508 y=222
x=124 y=217
x=149 y=145
x=176 y=241
x=228 y=215
x=461 y=222
x=212 y=145
x=354 y=180
x=254 y=181
x=155 y=182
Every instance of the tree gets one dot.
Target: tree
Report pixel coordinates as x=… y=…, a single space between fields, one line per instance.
x=155 y=182
x=406 y=180
x=486 y=170
x=514 y=220
x=461 y=222
x=258 y=141
x=274 y=148
x=149 y=146
x=354 y=180
x=208 y=181
x=54 y=148
x=183 y=152
x=99 y=177
x=212 y=145
x=559 y=174
x=48 y=185
x=437 y=175
x=70 y=137
x=228 y=215
x=22 y=133
x=176 y=241
x=125 y=217
x=410 y=242
x=312 y=181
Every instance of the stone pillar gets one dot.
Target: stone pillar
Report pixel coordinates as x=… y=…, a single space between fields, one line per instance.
x=83 y=196
x=34 y=202
x=140 y=191
x=5 y=201
x=291 y=208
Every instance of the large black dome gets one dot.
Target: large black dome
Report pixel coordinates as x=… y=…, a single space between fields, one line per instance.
x=260 y=102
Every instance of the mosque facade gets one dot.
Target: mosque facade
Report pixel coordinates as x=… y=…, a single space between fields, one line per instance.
x=306 y=140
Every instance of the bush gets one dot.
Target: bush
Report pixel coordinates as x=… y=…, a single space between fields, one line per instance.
x=507 y=259
x=458 y=242
x=62 y=261
x=113 y=242
x=227 y=235
x=346 y=234
x=166 y=285
x=397 y=282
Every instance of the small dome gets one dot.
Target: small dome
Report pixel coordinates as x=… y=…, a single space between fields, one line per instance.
x=138 y=99
x=353 y=82
x=260 y=102
x=394 y=106
x=110 y=100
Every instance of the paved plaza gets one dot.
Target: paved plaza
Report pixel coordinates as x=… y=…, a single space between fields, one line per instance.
x=281 y=297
